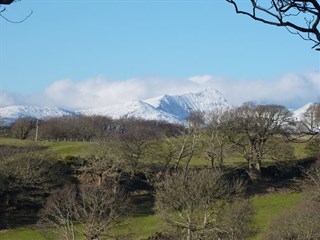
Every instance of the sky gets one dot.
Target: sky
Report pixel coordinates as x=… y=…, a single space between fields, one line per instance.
x=79 y=54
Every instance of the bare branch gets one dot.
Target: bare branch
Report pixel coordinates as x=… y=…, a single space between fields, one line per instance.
x=288 y=14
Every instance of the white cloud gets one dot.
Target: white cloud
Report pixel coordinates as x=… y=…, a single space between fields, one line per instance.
x=200 y=79
x=92 y=93
x=6 y=99
x=292 y=90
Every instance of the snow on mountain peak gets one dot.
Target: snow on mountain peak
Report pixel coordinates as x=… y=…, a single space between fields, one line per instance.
x=181 y=105
x=137 y=109
x=174 y=109
x=11 y=113
x=299 y=113
x=38 y=112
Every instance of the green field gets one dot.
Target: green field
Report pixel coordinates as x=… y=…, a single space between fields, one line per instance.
x=145 y=223
x=60 y=148
x=267 y=207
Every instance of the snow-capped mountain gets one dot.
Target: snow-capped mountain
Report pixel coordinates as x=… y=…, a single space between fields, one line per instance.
x=174 y=109
x=181 y=105
x=307 y=119
x=11 y=113
x=136 y=109
x=299 y=113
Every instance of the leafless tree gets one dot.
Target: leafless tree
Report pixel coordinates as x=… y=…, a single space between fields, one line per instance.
x=306 y=127
x=59 y=212
x=92 y=211
x=218 y=141
x=310 y=122
x=183 y=147
x=251 y=126
x=300 y=17
x=22 y=127
x=134 y=141
x=191 y=201
x=99 y=210
x=235 y=222
x=103 y=162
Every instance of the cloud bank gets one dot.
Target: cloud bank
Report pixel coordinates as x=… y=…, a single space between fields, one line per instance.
x=292 y=90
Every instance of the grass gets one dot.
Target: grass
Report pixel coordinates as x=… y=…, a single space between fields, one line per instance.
x=21 y=234
x=146 y=223
x=62 y=149
x=299 y=150
x=67 y=148
x=141 y=226
x=268 y=207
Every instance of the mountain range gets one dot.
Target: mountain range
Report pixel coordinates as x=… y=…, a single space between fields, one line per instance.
x=173 y=109
x=170 y=108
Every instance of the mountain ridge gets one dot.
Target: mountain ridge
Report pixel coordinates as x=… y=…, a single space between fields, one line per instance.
x=169 y=108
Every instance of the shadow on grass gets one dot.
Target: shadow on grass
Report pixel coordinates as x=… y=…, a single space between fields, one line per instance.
x=282 y=177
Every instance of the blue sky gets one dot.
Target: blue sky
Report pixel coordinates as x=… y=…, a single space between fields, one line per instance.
x=108 y=52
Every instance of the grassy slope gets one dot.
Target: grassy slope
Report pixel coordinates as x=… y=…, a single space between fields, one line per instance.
x=60 y=148
x=21 y=233
x=267 y=206
x=141 y=226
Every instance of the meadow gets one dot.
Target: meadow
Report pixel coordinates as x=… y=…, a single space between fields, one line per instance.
x=144 y=222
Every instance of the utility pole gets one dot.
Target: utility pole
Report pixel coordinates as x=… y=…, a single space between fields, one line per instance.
x=37 y=129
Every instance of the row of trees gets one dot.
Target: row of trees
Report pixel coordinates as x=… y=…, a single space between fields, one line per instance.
x=86 y=128
x=254 y=131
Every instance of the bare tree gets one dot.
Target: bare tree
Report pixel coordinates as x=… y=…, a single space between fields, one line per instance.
x=103 y=162
x=59 y=212
x=22 y=127
x=187 y=143
x=218 y=141
x=305 y=127
x=191 y=201
x=99 y=210
x=251 y=126
x=92 y=211
x=236 y=220
x=310 y=122
x=134 y=141
x=300 y=17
